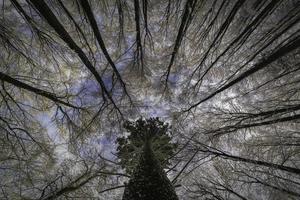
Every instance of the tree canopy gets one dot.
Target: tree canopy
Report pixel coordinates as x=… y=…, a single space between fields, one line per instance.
x=223 y=75
x=130 y=147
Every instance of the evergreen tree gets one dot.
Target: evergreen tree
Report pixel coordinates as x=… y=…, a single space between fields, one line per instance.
x=130 y=147
x=149 y=181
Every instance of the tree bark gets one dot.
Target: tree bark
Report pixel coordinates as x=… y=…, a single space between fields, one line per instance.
x=149 y=180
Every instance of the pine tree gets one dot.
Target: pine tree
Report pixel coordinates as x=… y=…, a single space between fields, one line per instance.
x=148 y=179
x=130 y=147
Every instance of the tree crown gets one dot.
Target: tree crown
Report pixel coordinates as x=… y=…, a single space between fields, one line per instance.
x=152 y=130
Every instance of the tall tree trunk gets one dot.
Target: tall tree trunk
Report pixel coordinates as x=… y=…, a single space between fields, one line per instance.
x=149 y=181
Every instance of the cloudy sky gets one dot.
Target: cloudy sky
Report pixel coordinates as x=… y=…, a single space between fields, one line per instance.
x=224 y=74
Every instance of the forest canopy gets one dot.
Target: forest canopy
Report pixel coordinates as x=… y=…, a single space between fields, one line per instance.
x=221 y=77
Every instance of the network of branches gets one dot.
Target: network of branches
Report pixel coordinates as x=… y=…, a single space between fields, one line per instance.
x=223 y=73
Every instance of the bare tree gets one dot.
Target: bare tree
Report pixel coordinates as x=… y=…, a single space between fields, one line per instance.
x=224 y=74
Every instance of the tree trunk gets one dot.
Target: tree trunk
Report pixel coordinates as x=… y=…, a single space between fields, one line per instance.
x=149 y=181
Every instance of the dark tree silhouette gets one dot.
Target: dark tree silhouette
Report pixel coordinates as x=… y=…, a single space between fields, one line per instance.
x=129 y=147
x=148 y=180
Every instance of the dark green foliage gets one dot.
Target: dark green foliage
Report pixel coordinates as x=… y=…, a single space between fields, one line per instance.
x=149 y=181
x=130 y=147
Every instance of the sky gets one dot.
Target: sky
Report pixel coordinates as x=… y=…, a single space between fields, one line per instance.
x=218 y=80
